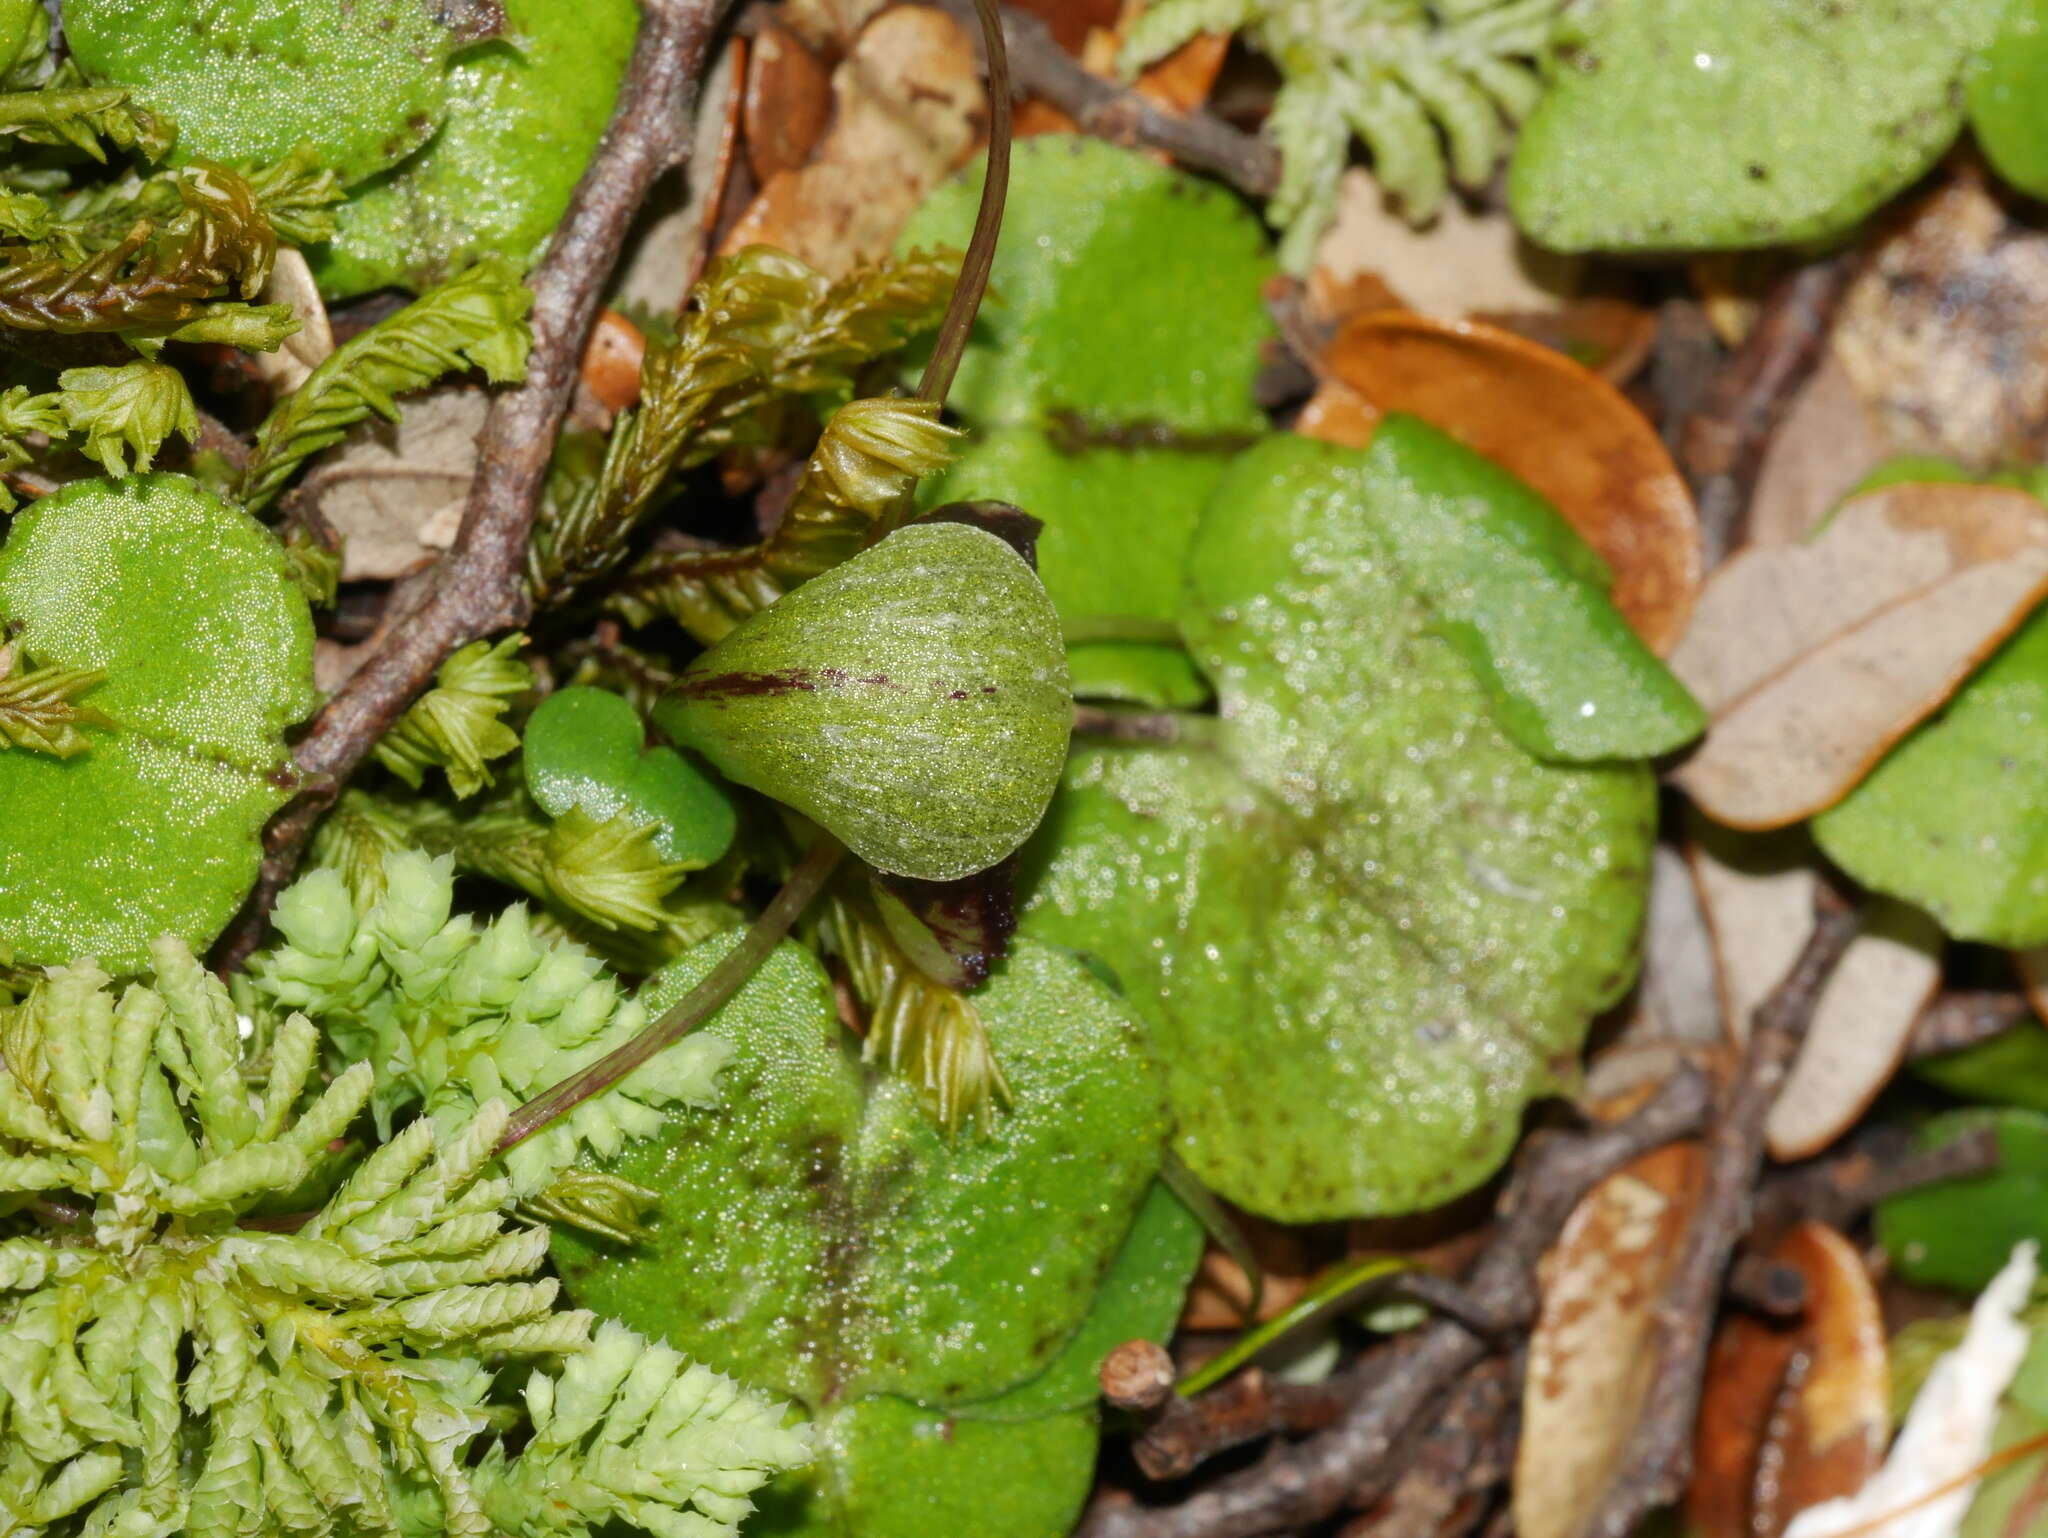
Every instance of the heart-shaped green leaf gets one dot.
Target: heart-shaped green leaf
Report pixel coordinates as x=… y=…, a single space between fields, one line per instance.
x=524 y=115
x=190 y=609
x=1364 y=924
x=364 y=83
x=1671 y=125
x=1951 y=818
x=820 y=1234
x=583 y=748
x=2008 y=97
x=913 y=700
x=1117 y=524
x=1127 y=292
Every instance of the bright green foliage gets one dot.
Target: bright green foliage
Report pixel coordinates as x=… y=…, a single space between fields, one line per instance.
x=186 y=606
x=127 y=410
x=24 y=32
x=1363 y=923
x=476 y=320
x=457 y=724
x=888 y=1469
x=66 y=111
x=363 y=83
x=584 y=752
x=2008 y=97
x=39 y=707
x=1671 y=125
x=1117 y=525
x=2005 y=1502
x=855 y=488
x=239 y=1380
x=1958 y=1233
x=763 y=336
x=822 y=1234
x=1950 y=819
x=454 y=1015
x=933 y=664
x=2009 y=1069
x=524 y=114
x=1433 y=91
x=1520 y=597
x=1129 y=293
x=836 y=1243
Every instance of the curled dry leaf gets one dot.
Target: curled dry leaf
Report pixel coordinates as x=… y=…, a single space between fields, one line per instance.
x=1220 y=1297
x=394 y=491
x=908 y=108
x=1591 y=1356
x=291 y=282
x=787 y=103
x=1757 y=894
x=1928 y=331
x=1947 y=1434
x=1814 y=659
x=1557 y=425
x=611 y=361
x=1792 y=1417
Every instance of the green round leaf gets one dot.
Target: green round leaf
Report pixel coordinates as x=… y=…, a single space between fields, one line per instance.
x=2008 y=98
x=1958 y=1233
x=821 y=1237
x=189 y=607
x=1672 y=125
x=364 y=83
x=1951 y=818
x=1123 y=291
x=1364 y=924
x=524 y=115
x=888 y=1469
x=1117 y=525
x=2009 y=1069
x=582 y=748
x=913 y=700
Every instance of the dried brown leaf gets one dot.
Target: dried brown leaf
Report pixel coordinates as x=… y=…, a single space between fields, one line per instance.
x=908 y=108
x=788 y=102
x=395 y=491
x=1812 y=660
x=1554 y=423
x=1828 y=441
x=291 y=282
x=1591 y=1357
x=1791 y=1417
x=1757 y=894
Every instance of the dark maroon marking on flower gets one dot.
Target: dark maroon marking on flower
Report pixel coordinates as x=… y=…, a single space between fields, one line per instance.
x=700 y=686
x=972 y=918
x=957 y=694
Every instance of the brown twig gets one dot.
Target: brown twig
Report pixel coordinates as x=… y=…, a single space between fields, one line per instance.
x=1958 y=1020
x=1040 y=67
x=479 y=585
x=1722 y=443
x=1659 y=1458
x=1307 y=1481
x=1882 y=1163
x=1187 y=1433
x=1451 y=1461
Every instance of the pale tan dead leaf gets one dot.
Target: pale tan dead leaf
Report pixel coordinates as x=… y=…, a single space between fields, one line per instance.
x=908 y=108
x=1945 y=331
x=1828 y=441
x=829 y=26
x=1757 y=894
x=1591 y=1357
x=1947 y=1433
x=668 y=240
x=1220 y=1296
x=394 y=492
x=291 y=282
x=1560 y=427
x=1812 y=660
x=1673 y=1014
x=1461 y=261
x=1793 y=1416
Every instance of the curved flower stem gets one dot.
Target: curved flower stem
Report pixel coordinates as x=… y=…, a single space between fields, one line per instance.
x=988 y=220
x=694 y=1007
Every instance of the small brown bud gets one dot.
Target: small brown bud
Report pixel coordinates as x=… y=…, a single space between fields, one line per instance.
x=1137 y=1376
